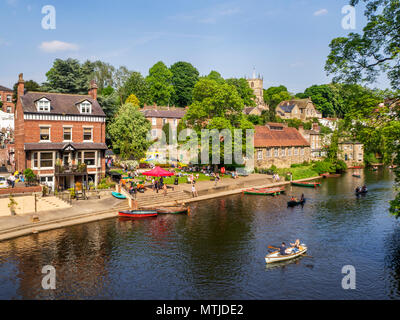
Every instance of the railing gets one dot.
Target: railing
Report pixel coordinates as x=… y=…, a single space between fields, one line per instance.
x=65 y=196
x=80 y=168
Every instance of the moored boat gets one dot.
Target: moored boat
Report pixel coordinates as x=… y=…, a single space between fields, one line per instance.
x=356 y=175
x=265 y=191
x=173 y=210
x=277 y=257
x=330 y=175
x=138 y=213
x=306 y=184
x=118 y=195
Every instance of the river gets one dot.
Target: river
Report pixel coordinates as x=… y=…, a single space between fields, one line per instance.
x=218 y=251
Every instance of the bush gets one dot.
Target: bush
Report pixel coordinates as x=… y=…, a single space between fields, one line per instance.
x=29 y=175
x=273 y=169
x=324 y=166
x=341 y=166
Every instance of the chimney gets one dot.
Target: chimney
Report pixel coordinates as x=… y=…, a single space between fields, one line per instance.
x=93 y=90
x=21 y=86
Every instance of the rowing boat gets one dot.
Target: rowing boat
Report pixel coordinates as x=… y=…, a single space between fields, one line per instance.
x=265 y=191
x=294 y=203
x=330 y=175
x=118 y=195
x=172 y=210
x=306 y=184
x=357 y=175
x=277 y=257
x=138 y=213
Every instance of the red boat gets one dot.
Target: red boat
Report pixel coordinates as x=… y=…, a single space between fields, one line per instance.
x=138 y=213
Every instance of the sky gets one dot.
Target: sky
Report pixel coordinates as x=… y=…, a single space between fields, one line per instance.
x=286 y=41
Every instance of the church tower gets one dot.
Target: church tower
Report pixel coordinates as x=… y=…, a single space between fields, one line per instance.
x=257 y=84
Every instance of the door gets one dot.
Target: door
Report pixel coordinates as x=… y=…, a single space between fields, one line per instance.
x=47 y=181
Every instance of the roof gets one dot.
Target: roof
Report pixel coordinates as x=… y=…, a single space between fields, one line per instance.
x=286 y=137
x=60 y=103
x=172 y=113
x=60 y=146
x=5 y=89
x=247 y=110
x=301 y=103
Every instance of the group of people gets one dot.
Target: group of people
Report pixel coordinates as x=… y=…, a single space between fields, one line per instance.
x=159 y=185
x=293 y=198
x=361 y=189
x=294 y=248
x=275 y=177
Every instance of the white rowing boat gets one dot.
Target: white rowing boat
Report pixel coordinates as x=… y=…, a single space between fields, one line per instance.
x=277 y=257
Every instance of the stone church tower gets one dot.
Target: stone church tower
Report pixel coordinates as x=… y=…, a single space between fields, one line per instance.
x=257 y=84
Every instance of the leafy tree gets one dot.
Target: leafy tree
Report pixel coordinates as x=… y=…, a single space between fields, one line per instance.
x=129 y=131
x=212 y=99
x=103 y=74
x=244 y=90
x=272 y=97
x=133 y=100
x=137 y=85
x=121 y=76
x=160 y=84
x=255 y=119
x=107 y=91
x=216 y=76
x=69 y=76
x=184 y=77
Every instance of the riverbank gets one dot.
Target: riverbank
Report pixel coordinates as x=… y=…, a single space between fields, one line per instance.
x=95 y=210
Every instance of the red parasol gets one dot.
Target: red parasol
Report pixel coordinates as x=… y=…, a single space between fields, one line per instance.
x=158 y=172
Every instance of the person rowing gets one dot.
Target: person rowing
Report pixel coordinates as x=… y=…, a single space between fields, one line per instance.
x=282 y=250
x=295 y=246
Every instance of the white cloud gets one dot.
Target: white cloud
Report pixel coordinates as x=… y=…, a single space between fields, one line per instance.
x=321 y=12
x=56 y=46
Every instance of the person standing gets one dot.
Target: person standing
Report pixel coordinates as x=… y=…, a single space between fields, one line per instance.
x=12 y=180
x=165 y=189
x=194 y=191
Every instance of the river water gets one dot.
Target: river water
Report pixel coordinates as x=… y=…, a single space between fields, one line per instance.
x=218 y=251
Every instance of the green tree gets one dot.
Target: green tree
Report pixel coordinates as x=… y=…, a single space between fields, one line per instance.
x=103 y=74
x=137 y=85
x=159 y=80
x=128 y=132
x=272 y=97
x=244 y=90
x=184 y=77
x=69 y=76
x=216 y=76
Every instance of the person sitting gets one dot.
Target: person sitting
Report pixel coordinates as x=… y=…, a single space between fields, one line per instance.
x=364 y=188
x=293 y=198
x=358 y=190
x=302 y=197
x=282 y=250
x=296 y=246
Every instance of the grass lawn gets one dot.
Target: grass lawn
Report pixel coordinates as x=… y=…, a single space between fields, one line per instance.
x=302 y=172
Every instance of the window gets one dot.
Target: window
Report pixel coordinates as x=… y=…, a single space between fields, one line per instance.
x=289 y=152
x=164 y=121
x=86 y=107
x=87 y=134
x=9 y=98
x=8 y=109
x=43 y=105
x=296 y=151
x=35 y=160
x=284 y=152
x=302 y=151
x=44 y=134
x=46 y=159
x=259 y=155
x=269 y=153
x=276 y=152
x=89 y=158
x=154 y=121
x=67 y=133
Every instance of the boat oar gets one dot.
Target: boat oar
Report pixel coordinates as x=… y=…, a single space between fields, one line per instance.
x=307 y=256
x=271 y=247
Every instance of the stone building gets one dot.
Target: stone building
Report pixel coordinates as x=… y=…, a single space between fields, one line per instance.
x=315 y=139
x=257 y=85
x=61 y=137
x=351 y=152
x=276 y=144
x=6 y=99
x=159 y=116
x=303 y=109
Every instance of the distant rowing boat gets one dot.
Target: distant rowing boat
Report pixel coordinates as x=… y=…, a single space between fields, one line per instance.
x=118 y=195
x=293 y=203
x=306 y=184
x=277 y=257
x=331 y=175
x=138 y=213
x=265 y=191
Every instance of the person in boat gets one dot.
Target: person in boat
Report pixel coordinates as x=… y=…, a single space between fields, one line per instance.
x=364 y=188
x=293 y=199
x=302 y=197
x=282 y=249
x=295 y=246
x=358 y=189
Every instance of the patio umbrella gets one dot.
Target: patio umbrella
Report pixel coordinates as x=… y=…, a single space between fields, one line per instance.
x=158 y=172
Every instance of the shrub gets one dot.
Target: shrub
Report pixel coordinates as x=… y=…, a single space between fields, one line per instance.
x=273 y=169
x=341 y=166
x=324 y=166
x=29 y=175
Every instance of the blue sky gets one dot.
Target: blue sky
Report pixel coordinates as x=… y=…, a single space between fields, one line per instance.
x=287 y=41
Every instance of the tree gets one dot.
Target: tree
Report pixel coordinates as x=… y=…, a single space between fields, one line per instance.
x=160 y=84
x=244 y=90
x=216 y=76
x=137 y=85
x=128 y=132
x=121 y=77
x=29 y=85
x=272 y=97
x=103 y=74
x=69 y=76
x=212 y=99
x=133 y=100
x=184 y=77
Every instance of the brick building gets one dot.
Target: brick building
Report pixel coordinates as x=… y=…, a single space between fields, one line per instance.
x=276 y=144
x=159 y=116
x=61 y=137
x=6 y=95
x=303 y=109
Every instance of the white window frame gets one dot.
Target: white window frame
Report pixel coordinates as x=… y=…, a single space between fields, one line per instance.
x=9 y=98
x=39 y=153
x=85 y=107
x=67 y=127
x=44 y=127
x=259 y=154
x=154 y=121
x=296 y=151
x=276 y=152
x=43 y=105
x=269 y=153
x=83 y=132
x=289 y=152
